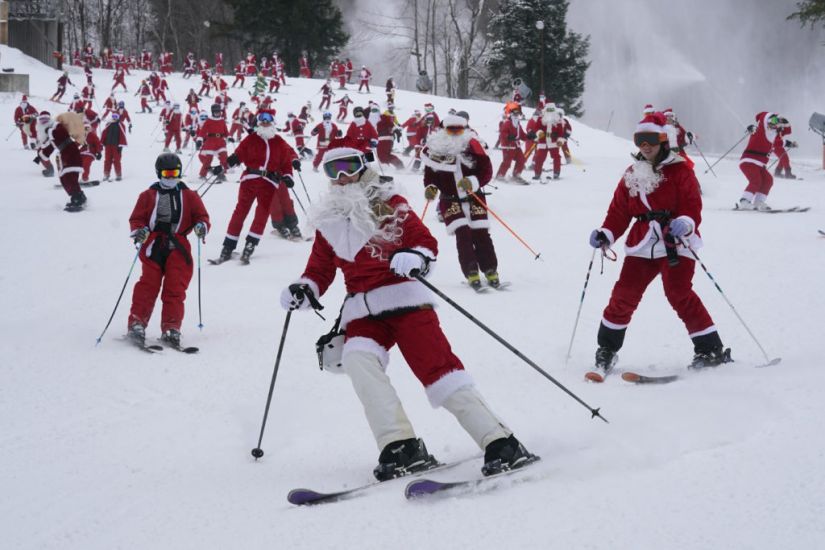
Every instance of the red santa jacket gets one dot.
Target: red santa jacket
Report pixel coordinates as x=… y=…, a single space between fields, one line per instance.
x=172 y=122
x=264 y=159
x=410 y=125
x=363 y=134
x=386 y=124
x=213 y=132
x=190 y=210
x=761 y=142
x=325 y=131
x=445 y=173
x=536 y=125
x=108 y=134
x=676 y=191
x=373 y=289
x=93 y=146
x=57 y=138
x=510 y=133
x=29 y=111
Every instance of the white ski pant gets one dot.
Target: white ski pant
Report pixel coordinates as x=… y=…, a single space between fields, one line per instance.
x=387 y=418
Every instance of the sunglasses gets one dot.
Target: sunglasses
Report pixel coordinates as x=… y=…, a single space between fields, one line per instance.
x=348 y=166
x=168 y=174
x=454 y=130
x=651 y=138
x=265 y=117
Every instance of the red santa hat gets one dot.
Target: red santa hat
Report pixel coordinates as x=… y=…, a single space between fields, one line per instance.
x=648 y=109
x=428 y=106
x=669 y=112
x=24 y=98
x=344 y=147
x=653 y=123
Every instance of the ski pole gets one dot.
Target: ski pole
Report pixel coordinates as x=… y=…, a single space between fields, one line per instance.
x=12 y=132
x=778 y=159
x=188 y=162
x=768 y=361
x=593 y=412
x=695 y=144
x=200 y=309
x=257 y=452
x=208 y=187
x=122 y=290
x=294 y=194
x=426 y=206
x=496 y=216
x=728 y=152
x=300 y=177
x=155 y=129
x=581 y=303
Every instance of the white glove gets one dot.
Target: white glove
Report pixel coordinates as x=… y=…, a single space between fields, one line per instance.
x=404 y=263
x=294 y=297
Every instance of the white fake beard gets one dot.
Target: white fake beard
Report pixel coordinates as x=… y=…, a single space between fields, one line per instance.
x=443 y=147
x=267 y=132
x=642 y=178
x=549 y=119
x=359 y=120
x=353 y=203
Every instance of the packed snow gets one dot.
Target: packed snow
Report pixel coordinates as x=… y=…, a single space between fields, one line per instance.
x=107 y=447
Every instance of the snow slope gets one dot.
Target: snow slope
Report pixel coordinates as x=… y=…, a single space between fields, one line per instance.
x=106 y=447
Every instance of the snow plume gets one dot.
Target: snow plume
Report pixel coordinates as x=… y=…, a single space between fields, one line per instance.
x=716 y=63
x=641 y=178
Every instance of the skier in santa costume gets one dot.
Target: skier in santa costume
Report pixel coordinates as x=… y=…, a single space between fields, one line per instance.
x=780 y=145
x=65 y=134
x=370 y=232
x=211 y=141
x=269 y=162
x=661 y=194
x=113 y=139
x=325 y=130
x=62 y=82
x=161 y=221
x=92 y=150
x=456 y=165
x=25 y=118
x=172 y=127
x=754 y=161
x=510 y=133
x=343 y=105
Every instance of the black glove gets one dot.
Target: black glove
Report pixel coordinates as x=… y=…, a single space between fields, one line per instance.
x=98 y=156
x=288 y=181
x=790 y=144
x=192 y=133
x=217 y=170
x=751 y=128
x=339 y=133
x=130 y=128
x=198 y=143
x=37 y=159
x=598 y=239
x=689 y=136
x=296 y=165
x=230 y=139
x=233 y=160
x=531 y=135
x=139 y=236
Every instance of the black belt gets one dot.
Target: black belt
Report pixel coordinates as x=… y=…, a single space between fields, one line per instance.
x=63 y=144
x=215 y=135
x=661 y=216
x=760 y=153
x=274 y=176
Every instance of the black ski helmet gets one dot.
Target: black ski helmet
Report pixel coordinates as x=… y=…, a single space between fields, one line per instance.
x=216 y=109
x=167 y=161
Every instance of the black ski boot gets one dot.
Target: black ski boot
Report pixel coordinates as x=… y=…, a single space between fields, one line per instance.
x=76 y=202
x=710 y=358
x=137 y=334
x=295 y=232
x=248 y=249
x=605 y=359
x=48 y=172
x=171 y=337
x=403 y=457
x=505 y=454
x=282 y=230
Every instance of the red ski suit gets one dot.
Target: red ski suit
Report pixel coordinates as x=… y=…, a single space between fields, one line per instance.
x=325 y=131
x=266 y=161
x=166 y=255
x=213 y=132
x=754 y=160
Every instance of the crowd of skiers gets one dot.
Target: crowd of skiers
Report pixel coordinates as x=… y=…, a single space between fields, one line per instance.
x=365 y=228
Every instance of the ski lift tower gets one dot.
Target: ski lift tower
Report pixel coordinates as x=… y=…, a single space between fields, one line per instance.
x=817 y=124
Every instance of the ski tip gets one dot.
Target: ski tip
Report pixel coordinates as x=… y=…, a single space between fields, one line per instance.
x=631 y=377
x=772 y=362
x=594 y=377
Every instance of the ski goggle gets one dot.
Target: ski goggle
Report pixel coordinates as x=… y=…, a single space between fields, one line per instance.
x=169 y=174
x=265 y=118
x=651 y=138
x=115 y=116
x=348 y=166
x=454 y=130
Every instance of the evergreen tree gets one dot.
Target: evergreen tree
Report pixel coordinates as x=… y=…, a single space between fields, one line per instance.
x=290 y=28
x=810 y=12
x=516 y=52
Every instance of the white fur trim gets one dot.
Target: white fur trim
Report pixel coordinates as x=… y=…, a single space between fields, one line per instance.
x=70 y=169
x=440 y=390
x=456 y=224
x=386 y=298
x=649 y=127
x=368 y=345
x=753 y=161
x=613 y=326
x=340 y=153
x=702 y=332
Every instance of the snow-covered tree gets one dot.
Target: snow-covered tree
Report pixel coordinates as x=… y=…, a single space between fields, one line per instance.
x=516 y=44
